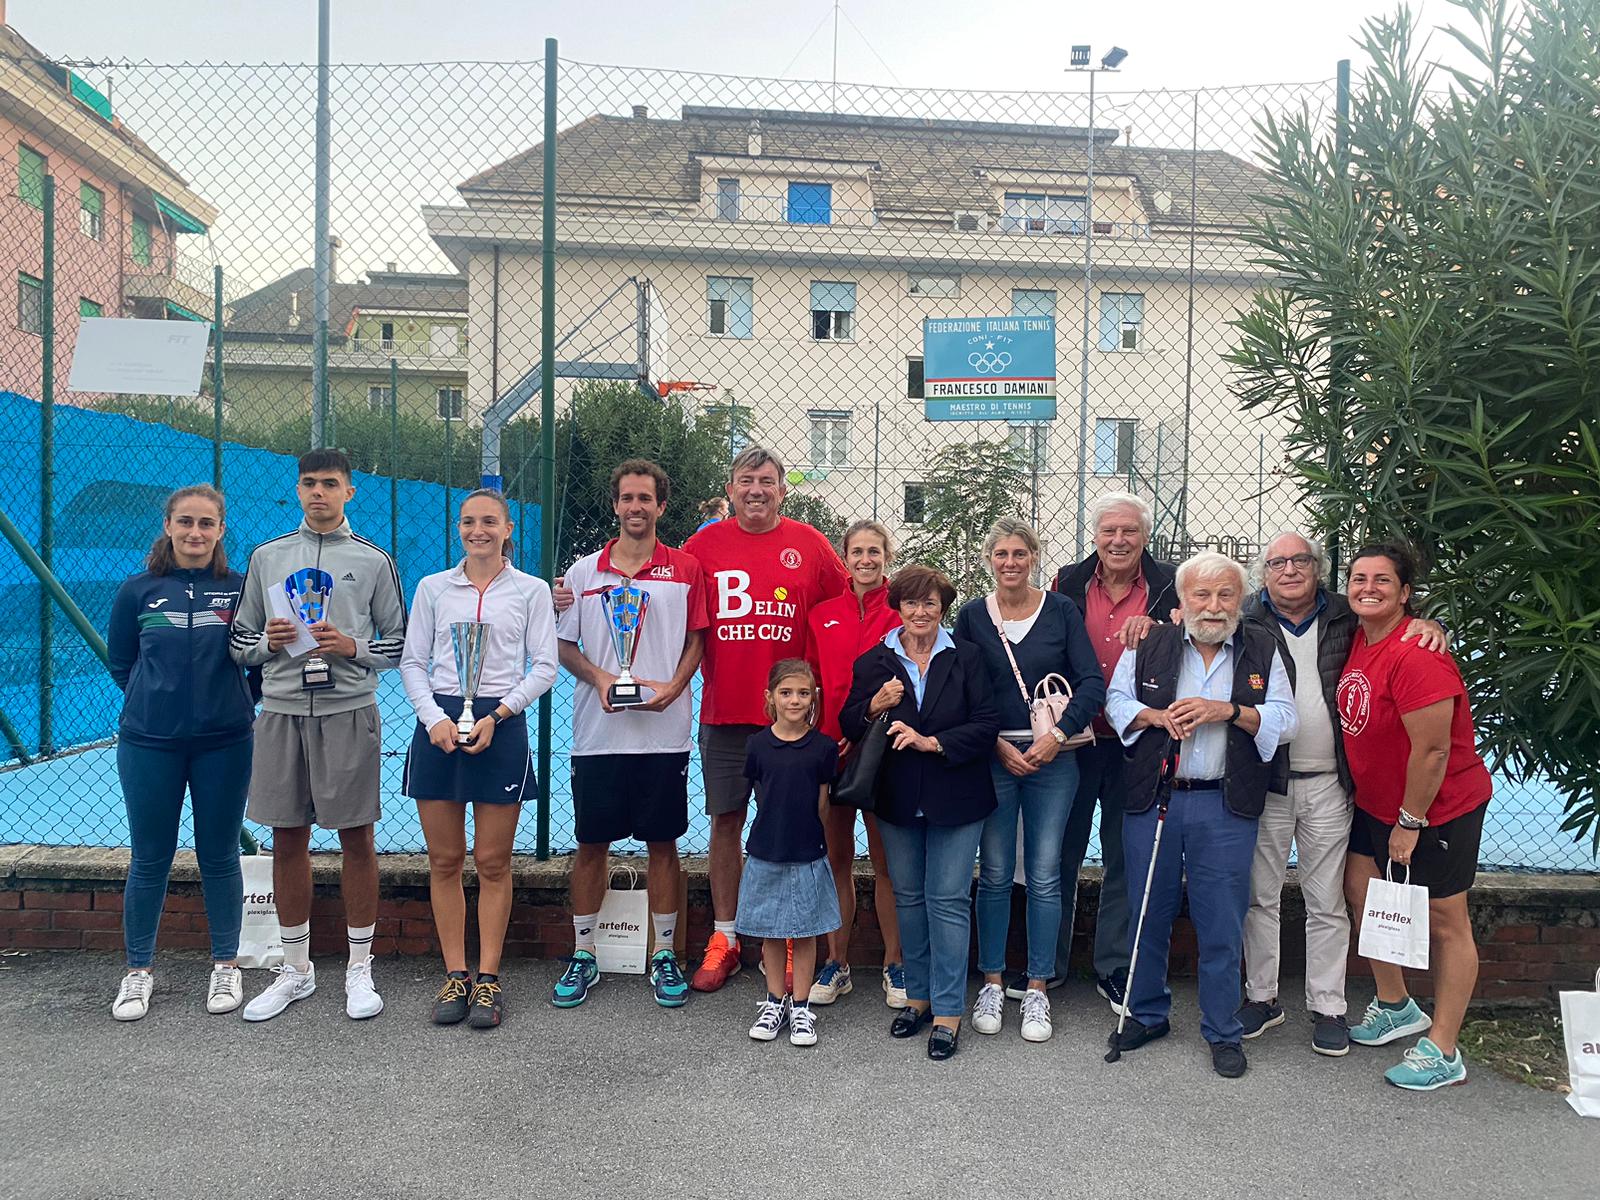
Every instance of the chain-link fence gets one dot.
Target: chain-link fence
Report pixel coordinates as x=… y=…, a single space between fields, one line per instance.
x=738 y=260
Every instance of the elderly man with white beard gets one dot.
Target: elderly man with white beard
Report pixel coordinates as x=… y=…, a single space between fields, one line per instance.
x=1219 y=690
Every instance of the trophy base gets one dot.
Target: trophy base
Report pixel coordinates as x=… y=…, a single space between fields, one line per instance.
x=625 y=694
x=316 y=676
x=464 y=729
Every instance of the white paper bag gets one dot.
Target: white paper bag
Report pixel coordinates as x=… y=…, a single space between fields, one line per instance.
x=1394 y=923
x=260 y=940
x=622 y=935
x=1580 y=1021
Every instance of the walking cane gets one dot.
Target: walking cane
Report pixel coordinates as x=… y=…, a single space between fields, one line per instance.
x=1169 y=770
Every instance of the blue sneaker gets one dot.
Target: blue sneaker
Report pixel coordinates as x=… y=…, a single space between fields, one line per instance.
x=671 y=989
x=1380 y=1025
x=572 y=989
x=1425 y=1069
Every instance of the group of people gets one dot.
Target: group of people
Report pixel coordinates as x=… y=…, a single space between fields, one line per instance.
x=1213 y=718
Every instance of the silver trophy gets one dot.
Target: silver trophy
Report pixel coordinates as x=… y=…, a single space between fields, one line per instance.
x=308 y=590
x=625 y=607
x=469 y=641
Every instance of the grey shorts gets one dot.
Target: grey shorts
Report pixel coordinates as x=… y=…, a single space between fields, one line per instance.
x=722 y=757
x=322 y=770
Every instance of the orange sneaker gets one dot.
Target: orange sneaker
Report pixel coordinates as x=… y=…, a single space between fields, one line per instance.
x=720 y=963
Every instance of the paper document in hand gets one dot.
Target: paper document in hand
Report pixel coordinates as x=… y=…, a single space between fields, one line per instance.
x=303 y=642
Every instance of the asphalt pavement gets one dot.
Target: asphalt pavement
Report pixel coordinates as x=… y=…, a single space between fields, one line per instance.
x=621 y=1099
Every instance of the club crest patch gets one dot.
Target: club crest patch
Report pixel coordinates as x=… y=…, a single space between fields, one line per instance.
x=1258 y=683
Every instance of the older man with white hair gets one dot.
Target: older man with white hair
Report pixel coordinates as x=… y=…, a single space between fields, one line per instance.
x=1309 y=801
x=1217 y=690
x=1119 y=585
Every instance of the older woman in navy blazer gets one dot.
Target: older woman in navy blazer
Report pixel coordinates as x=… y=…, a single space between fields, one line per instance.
x=934 y=792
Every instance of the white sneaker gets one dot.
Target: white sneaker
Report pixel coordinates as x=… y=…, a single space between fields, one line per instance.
x=289 y=986
x=832 y=982
x=989 y=1008
x=1036 y=1026
x=894 y=985
x=361 y=999
x=802 y=1026
x=133 y=996
x=226 y=992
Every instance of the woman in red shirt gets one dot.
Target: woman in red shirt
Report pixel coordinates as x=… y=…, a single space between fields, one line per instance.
x=839 y=631
x=1420 y=792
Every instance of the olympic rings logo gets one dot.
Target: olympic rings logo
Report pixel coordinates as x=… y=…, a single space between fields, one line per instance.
x=989 y=363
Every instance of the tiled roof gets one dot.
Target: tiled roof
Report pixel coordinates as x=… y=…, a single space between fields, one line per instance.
x=923 y=166
x=269 y=311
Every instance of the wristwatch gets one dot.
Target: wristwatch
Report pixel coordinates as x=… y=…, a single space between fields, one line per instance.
x=1061 y=738
x=498 y=719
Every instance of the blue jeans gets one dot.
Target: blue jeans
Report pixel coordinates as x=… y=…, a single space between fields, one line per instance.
x=1099 y=779
x=1042 y=800
x=153 y=783
x=1214 y=849
x=930 y=867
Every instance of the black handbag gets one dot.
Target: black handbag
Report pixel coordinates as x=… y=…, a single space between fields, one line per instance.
x=857 y=783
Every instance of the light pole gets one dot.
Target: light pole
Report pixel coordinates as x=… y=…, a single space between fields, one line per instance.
x=1080 y=62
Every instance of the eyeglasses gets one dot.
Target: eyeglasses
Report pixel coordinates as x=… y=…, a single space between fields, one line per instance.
x=1302 y=561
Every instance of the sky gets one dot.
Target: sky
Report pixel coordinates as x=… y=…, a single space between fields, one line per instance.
x=951 y=43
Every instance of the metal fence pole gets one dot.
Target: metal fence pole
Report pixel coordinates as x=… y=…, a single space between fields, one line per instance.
x=394 y=460
x=1341 y=137
x=547 y=411
x=319 y=352
x=216 y=377
x=47 y=471
x=449 y=475
x=1083 y=370
x=1188 y=336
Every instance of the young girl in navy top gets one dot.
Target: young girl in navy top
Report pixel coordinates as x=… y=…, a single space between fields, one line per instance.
x=787 y=889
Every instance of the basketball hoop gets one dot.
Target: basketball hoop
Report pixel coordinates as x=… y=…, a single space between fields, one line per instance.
x=667 y=386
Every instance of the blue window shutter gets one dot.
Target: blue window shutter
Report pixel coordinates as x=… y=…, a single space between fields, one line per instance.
x=833 y=297
x=1033 y=302
x=810 y=204
x=1110 y=329
x=1105 y=447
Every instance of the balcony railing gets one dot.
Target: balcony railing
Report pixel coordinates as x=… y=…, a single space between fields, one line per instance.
x=406 y=347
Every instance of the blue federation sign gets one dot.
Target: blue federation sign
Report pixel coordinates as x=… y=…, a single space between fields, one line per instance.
x=989 y=368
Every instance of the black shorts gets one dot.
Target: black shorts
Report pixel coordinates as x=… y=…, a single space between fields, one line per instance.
x=1446 y=858
x=502 y=774
x=640 y=796
x=722 y=762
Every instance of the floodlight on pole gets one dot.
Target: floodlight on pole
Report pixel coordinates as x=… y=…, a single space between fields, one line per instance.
x=1080 y=62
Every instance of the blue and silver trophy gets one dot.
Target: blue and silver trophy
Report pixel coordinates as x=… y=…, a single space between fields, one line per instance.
x=308 y=590
x=625 y=606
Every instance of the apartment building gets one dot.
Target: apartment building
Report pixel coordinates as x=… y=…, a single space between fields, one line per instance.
x=789 y=259
x=121 y=216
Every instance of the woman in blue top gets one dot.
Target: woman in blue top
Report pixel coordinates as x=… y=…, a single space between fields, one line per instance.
x=186 y=725
x=1035 y=778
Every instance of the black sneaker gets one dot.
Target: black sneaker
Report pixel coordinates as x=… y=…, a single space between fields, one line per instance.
x=1330 y=1035
x=450 y=1005
x=1227 y=1059
x=1258 y=1016
x=1134 y=1034
x=1114 y=988
x=486 y=1003
x=1017 y=987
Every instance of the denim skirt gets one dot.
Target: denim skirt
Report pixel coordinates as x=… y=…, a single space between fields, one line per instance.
x=786 y=900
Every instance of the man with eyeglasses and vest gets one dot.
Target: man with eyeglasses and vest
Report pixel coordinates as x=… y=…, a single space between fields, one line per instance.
x=1220 y=691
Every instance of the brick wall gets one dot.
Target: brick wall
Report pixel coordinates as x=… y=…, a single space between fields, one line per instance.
x=1536 y=934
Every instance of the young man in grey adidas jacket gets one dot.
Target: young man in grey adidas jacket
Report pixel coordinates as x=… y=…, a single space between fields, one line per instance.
x=318 y=736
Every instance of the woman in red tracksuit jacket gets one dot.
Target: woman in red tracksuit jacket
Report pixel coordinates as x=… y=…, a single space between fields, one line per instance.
x=839 y=631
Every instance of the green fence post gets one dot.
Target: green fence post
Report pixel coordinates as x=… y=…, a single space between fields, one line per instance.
x=449 y=476
x=216 y=378
x=394 y=461
x=47 y=472
x=1338 y=356
x=547 y=411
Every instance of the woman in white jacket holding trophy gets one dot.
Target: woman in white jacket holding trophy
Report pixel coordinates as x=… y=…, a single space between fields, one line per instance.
x=480 y=647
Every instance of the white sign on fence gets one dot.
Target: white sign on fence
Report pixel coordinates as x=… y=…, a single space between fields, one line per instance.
x=149 y=358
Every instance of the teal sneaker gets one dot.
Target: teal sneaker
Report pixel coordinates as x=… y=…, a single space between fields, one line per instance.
x=1425 y=1069
x=671 y=989
x=572 y=989
x=1380 y=1025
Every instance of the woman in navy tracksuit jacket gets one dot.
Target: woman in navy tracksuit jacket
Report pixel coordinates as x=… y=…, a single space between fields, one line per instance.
x=186 y=723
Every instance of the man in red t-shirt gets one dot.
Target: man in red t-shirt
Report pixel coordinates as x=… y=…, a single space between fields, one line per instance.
x=765 y=572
